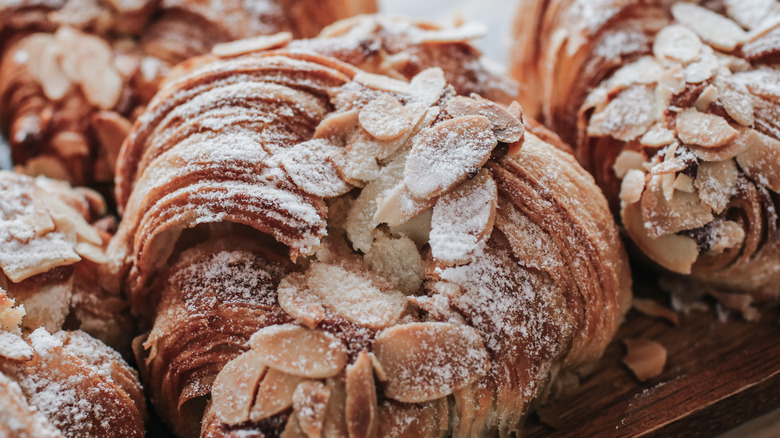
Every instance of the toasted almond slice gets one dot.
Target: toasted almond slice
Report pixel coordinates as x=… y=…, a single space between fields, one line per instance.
x=111 y=130
x=646 y=359
x=429 y=360
x=234 y=389
x=702 y=129
x=310 y=168
x=656 y=310
x=249 y=45
x=463 y=219
x=672 y=165
x=337 y=124
x=398 y=206
x=70 y=144
x=298 y=301
x=355 y=297
x=310 y=402
x=684 y=183
x=725 y=234
x=506 y=126
x=361 y=153
x=678 y=43
x=626 y=117
x=91 y=252
x=672 y=251
x=628 y=160
x=361 y=406
x=717 y=30
x=428 y=86
x=645 y=70
x=707 y=96
x=381 y=82
x=13 y=347
x=703 y=69
x=685 y=211
x=745 y=139
x=657 y=136
x=300 y=351
x=103 y=89
x=749 y=13
x=65 y=217
x=385 y=118
x=53 y=80
x=716 y=182
x=398 y=261
x=632 y=186
x=274 y=394
x=761 y=162
x=446 y=154
x=734 y=102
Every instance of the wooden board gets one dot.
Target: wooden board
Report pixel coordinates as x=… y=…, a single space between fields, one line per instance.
x=718 y=375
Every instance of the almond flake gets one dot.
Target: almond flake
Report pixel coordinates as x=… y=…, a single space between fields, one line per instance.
x=733 y=100
x=361 y=405
x=382 y=82
x=398 y=206
x=646 y=359
x=674 y=252
x=355 y=297
x=458 y=34
x=626 y=117
x=684 y=183
x=707 y=96
x=685 y=211
x=632 y=186
x=725 y=234
x=309 y=166
x=249 y=45
x=745 y=139
x=657 y=136
x=654 y=309
x=298 y=301
x=398 y=261
x=300 y=351
x=702 y=129
x=716 y=182
x=69 y=144
x=111 y=130
x=428 y=86
x=703 y=69
x=715 y=29
x=463 y=219
x=628 y=160
x=337 y=124
x=310 y=401
x=761 y=162
x=429 y=360
x=53 y=80
x=645 y=70
x=446 y=154
x=234 y=389
x=749 y=13
x=91 y=252
x=505 y=126
x=274 y=393
x=678 y=43
x=385 y=118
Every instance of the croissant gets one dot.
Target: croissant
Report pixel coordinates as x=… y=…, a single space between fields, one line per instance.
x=317 y=249
x=52 y=244
x=64 y=385
x=75 y=74
x=673 y=107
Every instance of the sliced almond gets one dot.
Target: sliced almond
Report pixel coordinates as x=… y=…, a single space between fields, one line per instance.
x=702 y=129
x=233 y=391
x=654 y=309
x=703 y=69
x=684 y=183
x=53 y=80
x=69 y=144
x=632 y=186
x=645 y=70
x=298 y=301
x=505 y=126
x=102 y=87
x=761 y=162
x=685 y=211
x=457 y=34
x=310 y=402
x=300 y=351
x=361 y=406
x=745 y=139
x=717 y=30
x=672 y=251
x=657 y=136
x=91 y=252
x=628 y=160
x=111 y=130
x=385 y=118
x=309 y=166
x=398 y=206
x=446 y=154
x=734 y=102
x=707 y=96
x=626 y=117
x=749 y=13
x=361 y=153
x=355 y=297
x=678 y=43
x=716 y=182
x=249 y=45
x=646 y=359
x=427 y=361
x=381 y=82
x=13 y=347
x=725 y=234
x=463 y=219
x=337 y=124
x=428 y=86
x=398 y=261
x=274 y=394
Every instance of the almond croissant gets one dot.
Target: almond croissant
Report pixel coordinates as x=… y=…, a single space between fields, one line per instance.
x=673 y=106
x=318 y=250
x=74 y=74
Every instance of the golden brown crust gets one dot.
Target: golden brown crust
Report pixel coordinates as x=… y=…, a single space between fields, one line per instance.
x=670 y=111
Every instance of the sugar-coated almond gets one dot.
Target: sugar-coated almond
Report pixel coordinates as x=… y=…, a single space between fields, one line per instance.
x=385 y=118
x=761 y=162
